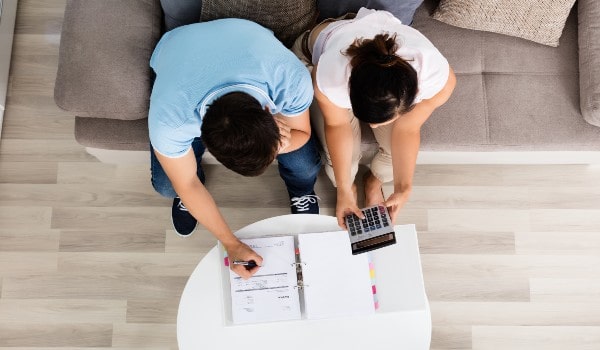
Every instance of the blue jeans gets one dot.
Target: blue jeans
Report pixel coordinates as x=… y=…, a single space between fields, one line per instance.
x=298 y=169
x=160 y=180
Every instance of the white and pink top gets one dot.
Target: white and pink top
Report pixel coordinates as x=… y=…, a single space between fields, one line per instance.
x=334 y=69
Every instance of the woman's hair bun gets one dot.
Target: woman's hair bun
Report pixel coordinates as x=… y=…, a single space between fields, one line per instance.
x=380 y=50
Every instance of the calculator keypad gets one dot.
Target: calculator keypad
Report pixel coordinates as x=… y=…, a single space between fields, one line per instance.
x=376 y=217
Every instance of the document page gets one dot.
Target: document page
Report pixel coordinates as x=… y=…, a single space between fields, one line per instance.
x=336 y=283
x=271 y=294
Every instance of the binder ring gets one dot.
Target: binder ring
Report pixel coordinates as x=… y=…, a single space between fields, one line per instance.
x=300 y=285
x=298 y=266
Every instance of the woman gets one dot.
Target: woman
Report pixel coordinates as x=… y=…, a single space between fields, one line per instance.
x=375 y=70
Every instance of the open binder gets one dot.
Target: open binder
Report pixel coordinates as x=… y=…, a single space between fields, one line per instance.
x=313 y=276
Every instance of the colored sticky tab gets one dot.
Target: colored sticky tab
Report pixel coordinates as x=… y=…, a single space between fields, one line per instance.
x=373 y=284
x=225 y=257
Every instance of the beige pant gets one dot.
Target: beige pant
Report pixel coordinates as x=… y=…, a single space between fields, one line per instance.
x=380 y=165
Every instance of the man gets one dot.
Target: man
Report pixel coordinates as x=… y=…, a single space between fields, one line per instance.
x=231 y=86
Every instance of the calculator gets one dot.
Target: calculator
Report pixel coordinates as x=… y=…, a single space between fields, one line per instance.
x=373 y=232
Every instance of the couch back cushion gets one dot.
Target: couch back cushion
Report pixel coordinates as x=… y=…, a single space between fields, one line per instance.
x=286 y=18
x=180 y=12
x=403 y=9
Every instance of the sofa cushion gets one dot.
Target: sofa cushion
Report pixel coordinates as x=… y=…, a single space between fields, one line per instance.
x=180 y=12
x=589 y=60
x=403 y=9
x=103 y=66
x=112 y=134
x=541 y=21
x=458 y=124
x=546 y=119
x=286 y=18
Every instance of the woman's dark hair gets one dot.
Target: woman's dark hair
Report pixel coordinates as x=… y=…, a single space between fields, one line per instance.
x=240 y=133
x=382 y=84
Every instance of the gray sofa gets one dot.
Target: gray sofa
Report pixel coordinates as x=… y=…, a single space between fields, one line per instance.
x=515 y=100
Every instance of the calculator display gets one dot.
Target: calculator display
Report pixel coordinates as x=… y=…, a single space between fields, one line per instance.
x=372 y=232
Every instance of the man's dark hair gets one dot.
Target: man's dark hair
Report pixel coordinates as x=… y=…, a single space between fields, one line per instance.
x=382 y=84
x=240 y=133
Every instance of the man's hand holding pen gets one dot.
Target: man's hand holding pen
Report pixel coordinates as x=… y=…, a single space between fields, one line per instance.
x=245 y=261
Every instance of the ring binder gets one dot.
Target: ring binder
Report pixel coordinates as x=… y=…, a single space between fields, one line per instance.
x=302 y=280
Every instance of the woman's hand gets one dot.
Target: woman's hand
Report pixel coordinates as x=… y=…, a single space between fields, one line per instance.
x=346 y=205
x=395 y=202
x=241 y=252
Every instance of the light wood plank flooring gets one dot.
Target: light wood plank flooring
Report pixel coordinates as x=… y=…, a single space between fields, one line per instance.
x=511 y=254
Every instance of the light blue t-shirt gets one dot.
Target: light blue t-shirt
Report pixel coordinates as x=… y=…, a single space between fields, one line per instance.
x=197 y=63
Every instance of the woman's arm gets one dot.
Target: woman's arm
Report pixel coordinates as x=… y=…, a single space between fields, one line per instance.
x=406 y=139
x=339 y=139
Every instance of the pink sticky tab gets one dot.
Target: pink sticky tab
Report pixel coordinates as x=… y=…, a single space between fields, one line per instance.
x=371 y=266
x=226 y=261
x=376 y=305
x=374 y=289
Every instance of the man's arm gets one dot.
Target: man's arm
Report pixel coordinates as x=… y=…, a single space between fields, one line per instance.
x=295 y=130
x=182 y=173
x=406 y=141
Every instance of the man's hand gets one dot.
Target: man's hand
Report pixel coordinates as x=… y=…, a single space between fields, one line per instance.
x=285 y=134
x=240 y=251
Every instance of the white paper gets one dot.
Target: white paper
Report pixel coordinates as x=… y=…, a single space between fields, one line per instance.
x=337 y=283
x=271 y=294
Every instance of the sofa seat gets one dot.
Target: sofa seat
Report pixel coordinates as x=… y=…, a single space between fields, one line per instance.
x=511 y=94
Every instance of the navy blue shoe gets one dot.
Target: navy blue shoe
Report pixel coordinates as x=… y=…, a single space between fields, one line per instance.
x=307 y=204
x=183 y=222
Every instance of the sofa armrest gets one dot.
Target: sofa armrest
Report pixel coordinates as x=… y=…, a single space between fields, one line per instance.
x=105 y=49
x=588 y=12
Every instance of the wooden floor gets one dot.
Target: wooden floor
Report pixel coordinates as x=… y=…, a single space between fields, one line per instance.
x=511 y=254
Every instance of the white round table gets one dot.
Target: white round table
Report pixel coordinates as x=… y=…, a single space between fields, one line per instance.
x=403 y=320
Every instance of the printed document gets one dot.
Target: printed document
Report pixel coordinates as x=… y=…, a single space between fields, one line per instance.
x=271 y=294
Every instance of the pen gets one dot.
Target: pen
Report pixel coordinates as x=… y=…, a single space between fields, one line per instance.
x=248 y=264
